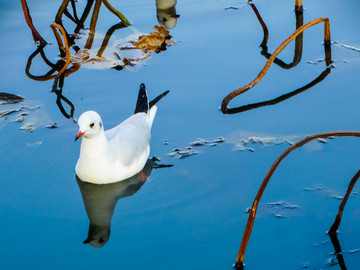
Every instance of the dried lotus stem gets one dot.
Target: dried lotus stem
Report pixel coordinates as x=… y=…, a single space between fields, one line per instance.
x=337 y=221
x=229 y=97
x=63 y=49
x=252 y=214
x=37 y=37
x=116 y=12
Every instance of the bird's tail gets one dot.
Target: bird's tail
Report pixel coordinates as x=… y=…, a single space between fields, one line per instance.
x=157 y=99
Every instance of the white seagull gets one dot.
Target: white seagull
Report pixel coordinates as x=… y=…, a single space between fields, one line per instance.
x=119 y=153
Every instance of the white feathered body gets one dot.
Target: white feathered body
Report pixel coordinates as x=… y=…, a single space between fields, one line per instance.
x=118 y=153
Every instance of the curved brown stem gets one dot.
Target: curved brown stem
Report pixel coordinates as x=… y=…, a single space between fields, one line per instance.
x=282 y=98
x=225 y=102
x=63 y=49
x=337 y=221
x=116 y=13
x=252 y=214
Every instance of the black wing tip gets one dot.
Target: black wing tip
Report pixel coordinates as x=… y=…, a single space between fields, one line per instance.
x=157 y=99
x=142 y=104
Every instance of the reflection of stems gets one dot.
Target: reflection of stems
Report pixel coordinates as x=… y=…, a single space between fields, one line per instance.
x=64 y=50
x=108 y=36
x=263 y=25
x=335 y=241
x=224 y=105
x=251 y=219
x=74 y=11
x=93 y=22
x=84 y=16
x=281 y=98
x=61 y=11
x=37 y=37
x=298 y=46
x=60 y=97
x=45 y=77
x=298 y=39
x=116 y=12
x=337 y=221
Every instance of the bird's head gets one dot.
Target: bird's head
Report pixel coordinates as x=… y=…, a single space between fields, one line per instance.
x=90 y=125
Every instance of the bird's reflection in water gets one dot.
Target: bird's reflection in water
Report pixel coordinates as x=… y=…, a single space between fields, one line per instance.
x=166 y=13
x=100 y=201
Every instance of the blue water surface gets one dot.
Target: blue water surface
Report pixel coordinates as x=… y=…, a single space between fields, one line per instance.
x=191 y=215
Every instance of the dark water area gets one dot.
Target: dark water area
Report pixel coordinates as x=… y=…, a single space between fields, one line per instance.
x=191 y=215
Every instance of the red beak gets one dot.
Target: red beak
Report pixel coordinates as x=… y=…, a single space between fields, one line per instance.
x=80 y=134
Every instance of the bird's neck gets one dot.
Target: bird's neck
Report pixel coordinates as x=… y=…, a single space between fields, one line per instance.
x=95 y=148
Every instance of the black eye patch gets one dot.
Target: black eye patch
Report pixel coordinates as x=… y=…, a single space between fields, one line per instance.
x=92 y=125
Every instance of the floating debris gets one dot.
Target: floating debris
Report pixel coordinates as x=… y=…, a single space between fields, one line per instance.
x=6 y=98
x=35 y=144
x=179 y=153
x=262 y=140
x=219 y=140
x=182 y=153
x=242 y=139
x=155 y=41
x=8 y=112
x=275 y=203
x=21 y=117
x=313 y=188
x=226 y=8
x=291 y=206
x=334 y=196
x=317 y=61
x=331 y=262
x=28 y=127
x=166 y=142
x=305 y=265
x=353 y=251
x=347 y=46
x=52 y=125
x=280 y=215
x=289 y=142
x=198 y=143
x=321 y=140
x=283 y=204
x=239 y=147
